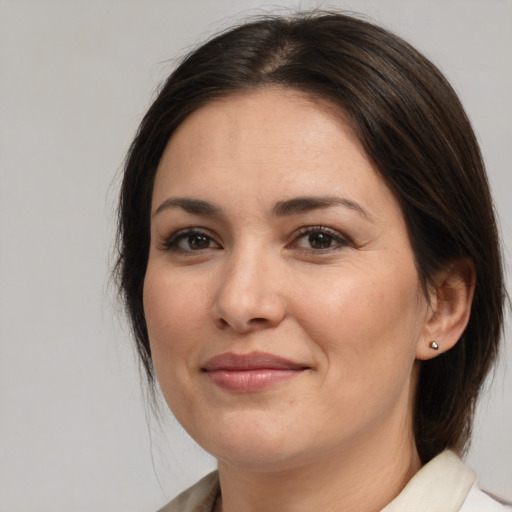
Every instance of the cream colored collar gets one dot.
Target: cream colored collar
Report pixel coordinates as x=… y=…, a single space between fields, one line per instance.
x=440 y=486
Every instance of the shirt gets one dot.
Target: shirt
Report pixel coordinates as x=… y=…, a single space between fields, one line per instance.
x=445 y=484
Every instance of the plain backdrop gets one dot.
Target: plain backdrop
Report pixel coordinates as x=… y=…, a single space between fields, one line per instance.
x=75 y=79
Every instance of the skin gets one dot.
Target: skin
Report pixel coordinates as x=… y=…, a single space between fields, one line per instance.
x=342 y=301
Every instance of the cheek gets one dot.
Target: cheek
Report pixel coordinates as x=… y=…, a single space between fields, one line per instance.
x=367 y=316
x=175 y=312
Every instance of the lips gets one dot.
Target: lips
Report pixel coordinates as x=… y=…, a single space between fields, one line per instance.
x=252 y=372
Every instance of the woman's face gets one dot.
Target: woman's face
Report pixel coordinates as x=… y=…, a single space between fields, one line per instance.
x=281 y=296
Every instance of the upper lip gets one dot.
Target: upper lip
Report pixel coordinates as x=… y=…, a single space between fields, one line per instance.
x=252 y=361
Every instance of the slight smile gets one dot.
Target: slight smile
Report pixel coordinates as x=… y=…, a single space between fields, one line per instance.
x=246 y=373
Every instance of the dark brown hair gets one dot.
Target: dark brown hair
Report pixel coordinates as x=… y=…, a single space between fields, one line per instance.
x=414 y=129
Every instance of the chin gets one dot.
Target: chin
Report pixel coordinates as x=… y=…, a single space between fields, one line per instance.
x=250 y=444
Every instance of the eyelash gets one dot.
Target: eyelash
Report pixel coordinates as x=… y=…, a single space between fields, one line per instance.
x=334 y=238
x=171 y=243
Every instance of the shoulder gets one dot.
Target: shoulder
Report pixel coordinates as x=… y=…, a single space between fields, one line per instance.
x=479 y=501
x=444 y=484
x=198 y=498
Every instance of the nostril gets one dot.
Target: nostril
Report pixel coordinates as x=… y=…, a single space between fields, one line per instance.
x=258 y=320
x=221 y=323
x=250 y=310
x=241 y=325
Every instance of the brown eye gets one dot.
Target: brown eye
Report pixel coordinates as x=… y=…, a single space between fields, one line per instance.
x=189 y=241
x=198 y=241
x=320 y=240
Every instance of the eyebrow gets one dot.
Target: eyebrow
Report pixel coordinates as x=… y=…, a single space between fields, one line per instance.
x=286 y=208
x=194 y=206
x=306 y=204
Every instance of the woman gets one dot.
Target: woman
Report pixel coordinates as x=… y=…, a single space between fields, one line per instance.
x=310 y=262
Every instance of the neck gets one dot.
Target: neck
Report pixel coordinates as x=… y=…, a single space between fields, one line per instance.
x=366 y=475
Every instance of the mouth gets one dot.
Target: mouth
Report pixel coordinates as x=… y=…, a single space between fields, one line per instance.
x=247 y=373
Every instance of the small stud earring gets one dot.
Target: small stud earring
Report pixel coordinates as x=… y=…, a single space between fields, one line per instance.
x=434 y=345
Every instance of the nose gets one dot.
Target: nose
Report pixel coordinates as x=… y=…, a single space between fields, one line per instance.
x=249 y=296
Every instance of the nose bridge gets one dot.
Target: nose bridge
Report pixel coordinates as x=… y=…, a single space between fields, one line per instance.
x=248 y=295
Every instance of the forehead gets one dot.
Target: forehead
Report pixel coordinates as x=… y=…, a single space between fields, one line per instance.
x=281 y=114
x=270 y=142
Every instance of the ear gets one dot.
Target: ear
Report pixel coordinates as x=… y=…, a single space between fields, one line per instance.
x=451 y=295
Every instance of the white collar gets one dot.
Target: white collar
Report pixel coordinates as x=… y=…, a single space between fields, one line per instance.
x=440 y=486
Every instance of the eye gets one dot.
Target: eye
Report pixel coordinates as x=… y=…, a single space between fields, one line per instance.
x=318 y=239
x=190 y=240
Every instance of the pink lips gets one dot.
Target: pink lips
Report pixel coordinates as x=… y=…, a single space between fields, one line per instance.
x=250 y=372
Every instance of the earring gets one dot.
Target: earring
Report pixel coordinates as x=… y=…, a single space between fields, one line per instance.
x=434 y=345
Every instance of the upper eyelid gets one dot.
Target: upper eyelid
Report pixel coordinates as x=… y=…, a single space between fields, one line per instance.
x=298 y=233
x=189 y=230
x=341 y=240
x=175 y=236
x=306 y=230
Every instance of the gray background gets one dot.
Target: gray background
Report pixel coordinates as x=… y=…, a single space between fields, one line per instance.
x=75 y=79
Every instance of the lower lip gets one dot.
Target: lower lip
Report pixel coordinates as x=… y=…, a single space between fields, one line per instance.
x=247 y=381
